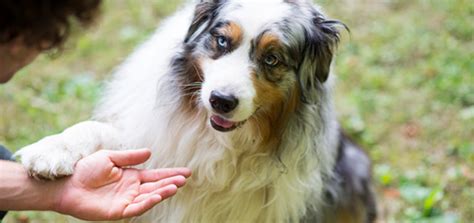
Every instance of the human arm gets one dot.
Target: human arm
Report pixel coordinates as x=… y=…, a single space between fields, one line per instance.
x=20 y=192
x=99 y=189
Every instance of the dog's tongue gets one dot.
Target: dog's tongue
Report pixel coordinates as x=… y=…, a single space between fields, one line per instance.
x=222 y=122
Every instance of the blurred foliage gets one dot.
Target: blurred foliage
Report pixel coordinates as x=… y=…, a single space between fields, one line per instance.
x=405 y=92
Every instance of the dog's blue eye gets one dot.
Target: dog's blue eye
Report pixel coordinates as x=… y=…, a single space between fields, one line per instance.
x=222 y=41
x=271 y=60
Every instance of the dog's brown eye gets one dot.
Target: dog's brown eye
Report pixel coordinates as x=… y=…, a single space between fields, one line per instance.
x=222 y=42
x=271 y=60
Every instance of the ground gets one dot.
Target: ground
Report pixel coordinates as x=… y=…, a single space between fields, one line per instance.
x=405 y=92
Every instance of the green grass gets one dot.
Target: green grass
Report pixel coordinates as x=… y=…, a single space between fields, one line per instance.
x=405 y=92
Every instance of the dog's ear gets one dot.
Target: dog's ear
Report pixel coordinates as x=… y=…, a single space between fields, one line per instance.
x=204 y=13
x=321 y=41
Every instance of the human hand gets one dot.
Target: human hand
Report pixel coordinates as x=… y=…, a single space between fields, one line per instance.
x=101 y=189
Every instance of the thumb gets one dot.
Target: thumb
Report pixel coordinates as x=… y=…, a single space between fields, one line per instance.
x=129 y=157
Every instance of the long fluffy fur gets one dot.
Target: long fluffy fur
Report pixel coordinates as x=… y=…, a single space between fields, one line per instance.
x=240 y=176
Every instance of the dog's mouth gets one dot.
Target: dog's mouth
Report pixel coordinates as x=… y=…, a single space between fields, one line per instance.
x=223 y=125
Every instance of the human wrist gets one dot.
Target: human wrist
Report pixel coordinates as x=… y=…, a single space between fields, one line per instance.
x=45 y=194
x=57 y=200
x=21 y=192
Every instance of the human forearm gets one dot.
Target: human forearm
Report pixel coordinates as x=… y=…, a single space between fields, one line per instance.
x=20 y=192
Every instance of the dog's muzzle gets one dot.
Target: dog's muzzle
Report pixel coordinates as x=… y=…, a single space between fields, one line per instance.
x=223 y=105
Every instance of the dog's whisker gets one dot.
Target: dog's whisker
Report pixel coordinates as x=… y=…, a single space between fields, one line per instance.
x=197 y=71
x=194 y=84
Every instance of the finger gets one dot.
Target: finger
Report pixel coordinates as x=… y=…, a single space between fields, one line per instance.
x=163 y=192
x=179 y=181
x=144 y=203
x=142 y=197
x=167 y=191
x=136 y=209
x=129 y=157
x=158 y=174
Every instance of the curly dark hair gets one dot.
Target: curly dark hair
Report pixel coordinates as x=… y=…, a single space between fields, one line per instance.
x=43 y=24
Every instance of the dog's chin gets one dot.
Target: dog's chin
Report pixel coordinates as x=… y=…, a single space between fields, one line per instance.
x=224 y=125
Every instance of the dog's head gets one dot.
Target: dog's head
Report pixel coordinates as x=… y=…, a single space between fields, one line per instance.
x=247 y=58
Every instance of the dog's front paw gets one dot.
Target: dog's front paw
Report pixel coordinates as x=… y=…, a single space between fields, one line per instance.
x=48 y=159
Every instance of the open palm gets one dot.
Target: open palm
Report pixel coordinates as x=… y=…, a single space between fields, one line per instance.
x=101 y=189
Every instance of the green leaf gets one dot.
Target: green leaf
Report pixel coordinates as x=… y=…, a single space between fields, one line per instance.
x=434 y=197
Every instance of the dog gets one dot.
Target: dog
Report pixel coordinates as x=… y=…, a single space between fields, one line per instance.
x=240 y=92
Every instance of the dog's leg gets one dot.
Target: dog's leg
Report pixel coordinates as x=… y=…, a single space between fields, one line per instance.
x=55 y=156
x=349 y=195
x=353 y=198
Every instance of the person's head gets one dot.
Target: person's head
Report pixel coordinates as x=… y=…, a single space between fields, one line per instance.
x=29 y=27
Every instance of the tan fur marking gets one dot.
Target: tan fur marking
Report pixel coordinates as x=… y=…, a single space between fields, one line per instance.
x=275 y=109
x=268 y=40
x=233 y=31
x=354 y=213
x=190 y=83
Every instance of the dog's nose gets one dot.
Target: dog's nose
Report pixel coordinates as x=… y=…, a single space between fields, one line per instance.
x=223 y=103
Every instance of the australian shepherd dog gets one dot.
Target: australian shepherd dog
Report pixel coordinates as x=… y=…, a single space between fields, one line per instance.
x=239 y=91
